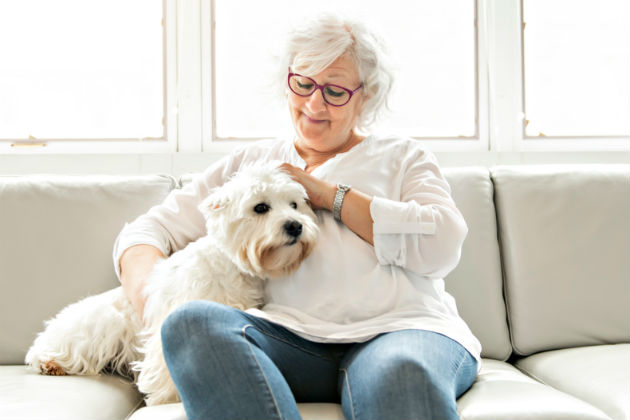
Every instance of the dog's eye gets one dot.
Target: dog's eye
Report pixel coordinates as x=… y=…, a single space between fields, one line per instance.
x=294 y=205
x=261 y=208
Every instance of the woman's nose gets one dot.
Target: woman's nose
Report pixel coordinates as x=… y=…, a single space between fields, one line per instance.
x=316 y=101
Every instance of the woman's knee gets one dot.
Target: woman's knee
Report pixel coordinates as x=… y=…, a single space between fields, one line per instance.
x=406 y=369
x=193 y=317
x=396 y=383
x=407 y=363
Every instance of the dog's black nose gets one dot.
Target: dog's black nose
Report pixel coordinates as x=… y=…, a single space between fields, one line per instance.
x=293 y=228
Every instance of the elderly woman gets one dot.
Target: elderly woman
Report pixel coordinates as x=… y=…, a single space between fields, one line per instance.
x=365 y=320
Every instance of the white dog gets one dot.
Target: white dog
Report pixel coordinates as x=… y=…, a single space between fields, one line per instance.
x=260 y=226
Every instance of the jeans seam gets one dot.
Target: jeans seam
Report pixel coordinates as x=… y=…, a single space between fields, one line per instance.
x=319 y=356
x=273 y=398
x=345 y=374
x=459 y=367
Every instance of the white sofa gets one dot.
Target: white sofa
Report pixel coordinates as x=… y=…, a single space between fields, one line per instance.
x=543 y=282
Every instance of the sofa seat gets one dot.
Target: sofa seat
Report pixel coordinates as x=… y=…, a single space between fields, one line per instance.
x=309 y=411
x=595 y=374
x=27 y=395
x=500 y=392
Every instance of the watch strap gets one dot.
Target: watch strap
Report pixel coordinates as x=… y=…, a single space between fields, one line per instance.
x=342 y=189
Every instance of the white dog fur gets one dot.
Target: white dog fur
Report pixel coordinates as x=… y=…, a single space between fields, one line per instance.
x=260 y=227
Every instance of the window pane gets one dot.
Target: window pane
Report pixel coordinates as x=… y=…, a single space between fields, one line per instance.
x=81 y=69
x=432 y=42
x=576 y=67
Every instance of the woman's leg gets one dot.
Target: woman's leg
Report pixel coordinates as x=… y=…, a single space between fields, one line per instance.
x=229 y=364
x=407 y=374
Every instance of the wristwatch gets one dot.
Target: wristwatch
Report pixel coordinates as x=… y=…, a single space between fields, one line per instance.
x=342 y=189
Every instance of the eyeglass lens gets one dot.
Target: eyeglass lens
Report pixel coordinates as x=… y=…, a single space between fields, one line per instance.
x=305 y=86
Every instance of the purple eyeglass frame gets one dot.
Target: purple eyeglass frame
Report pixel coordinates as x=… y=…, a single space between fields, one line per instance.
x=317 y=86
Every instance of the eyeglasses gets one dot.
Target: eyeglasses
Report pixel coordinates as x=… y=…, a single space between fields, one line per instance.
x=334 y=95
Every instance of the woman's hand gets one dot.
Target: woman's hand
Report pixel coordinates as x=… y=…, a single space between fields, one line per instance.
x=355 y=211
x=320 y=193
x=136 y=264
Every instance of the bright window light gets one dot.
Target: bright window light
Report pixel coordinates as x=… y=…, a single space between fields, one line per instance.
x=432 y=43
x=576 y=68
x=81 y=69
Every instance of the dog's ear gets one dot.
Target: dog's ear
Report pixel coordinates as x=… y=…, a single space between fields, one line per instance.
x=213 y=203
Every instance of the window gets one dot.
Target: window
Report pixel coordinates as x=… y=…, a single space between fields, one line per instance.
x=81 y=69
x=433 y=42
x=501 y=78
x=576 y=72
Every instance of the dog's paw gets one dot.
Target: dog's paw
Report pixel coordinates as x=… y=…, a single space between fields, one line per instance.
x=52 y=368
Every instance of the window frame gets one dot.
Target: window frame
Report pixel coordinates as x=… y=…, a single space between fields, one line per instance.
x=189 y=104
x=558 y=143
x=165 y=143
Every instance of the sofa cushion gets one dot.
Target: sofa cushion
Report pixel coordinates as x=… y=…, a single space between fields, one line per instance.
x=502 y=392
x=58 y=233
x=477 y=282
x=564 y=241
x=598 y=375
x=28 y=395
x=308 y=411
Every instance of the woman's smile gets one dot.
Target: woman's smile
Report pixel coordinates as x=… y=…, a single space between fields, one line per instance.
x=313 y=120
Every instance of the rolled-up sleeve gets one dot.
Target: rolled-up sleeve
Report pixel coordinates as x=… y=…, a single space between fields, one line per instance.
x=177 y=221
x=424 y=231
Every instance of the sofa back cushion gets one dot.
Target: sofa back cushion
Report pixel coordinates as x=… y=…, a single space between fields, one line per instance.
x=476 y=283
x=564 y=233
x=57 y=234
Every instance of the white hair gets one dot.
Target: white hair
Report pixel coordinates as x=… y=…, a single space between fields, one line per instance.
x=314 y=45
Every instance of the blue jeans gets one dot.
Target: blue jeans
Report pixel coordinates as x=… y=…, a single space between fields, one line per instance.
x=228 y=364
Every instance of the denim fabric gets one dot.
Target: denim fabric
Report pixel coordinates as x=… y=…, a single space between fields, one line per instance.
x=228 y=364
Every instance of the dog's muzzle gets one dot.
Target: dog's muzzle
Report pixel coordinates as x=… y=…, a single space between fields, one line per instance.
x=293 y=228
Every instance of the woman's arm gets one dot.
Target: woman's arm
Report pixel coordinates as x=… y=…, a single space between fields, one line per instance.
x=136 y=264
x=423 y=232
x=355 y=211
x=165 y=229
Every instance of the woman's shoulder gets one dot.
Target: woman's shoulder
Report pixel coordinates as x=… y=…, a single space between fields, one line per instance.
x=402 y=146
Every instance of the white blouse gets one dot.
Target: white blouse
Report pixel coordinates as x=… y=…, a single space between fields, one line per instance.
x=346 y=290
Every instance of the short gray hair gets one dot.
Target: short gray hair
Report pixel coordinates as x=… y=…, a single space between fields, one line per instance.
x=317 y=43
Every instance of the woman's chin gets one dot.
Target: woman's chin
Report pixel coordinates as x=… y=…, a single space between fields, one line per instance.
x=313 y=135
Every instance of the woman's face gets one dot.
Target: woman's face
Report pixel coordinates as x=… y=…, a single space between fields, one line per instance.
x=319 y=125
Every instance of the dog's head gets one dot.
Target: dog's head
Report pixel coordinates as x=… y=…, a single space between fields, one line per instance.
x=262 y=219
